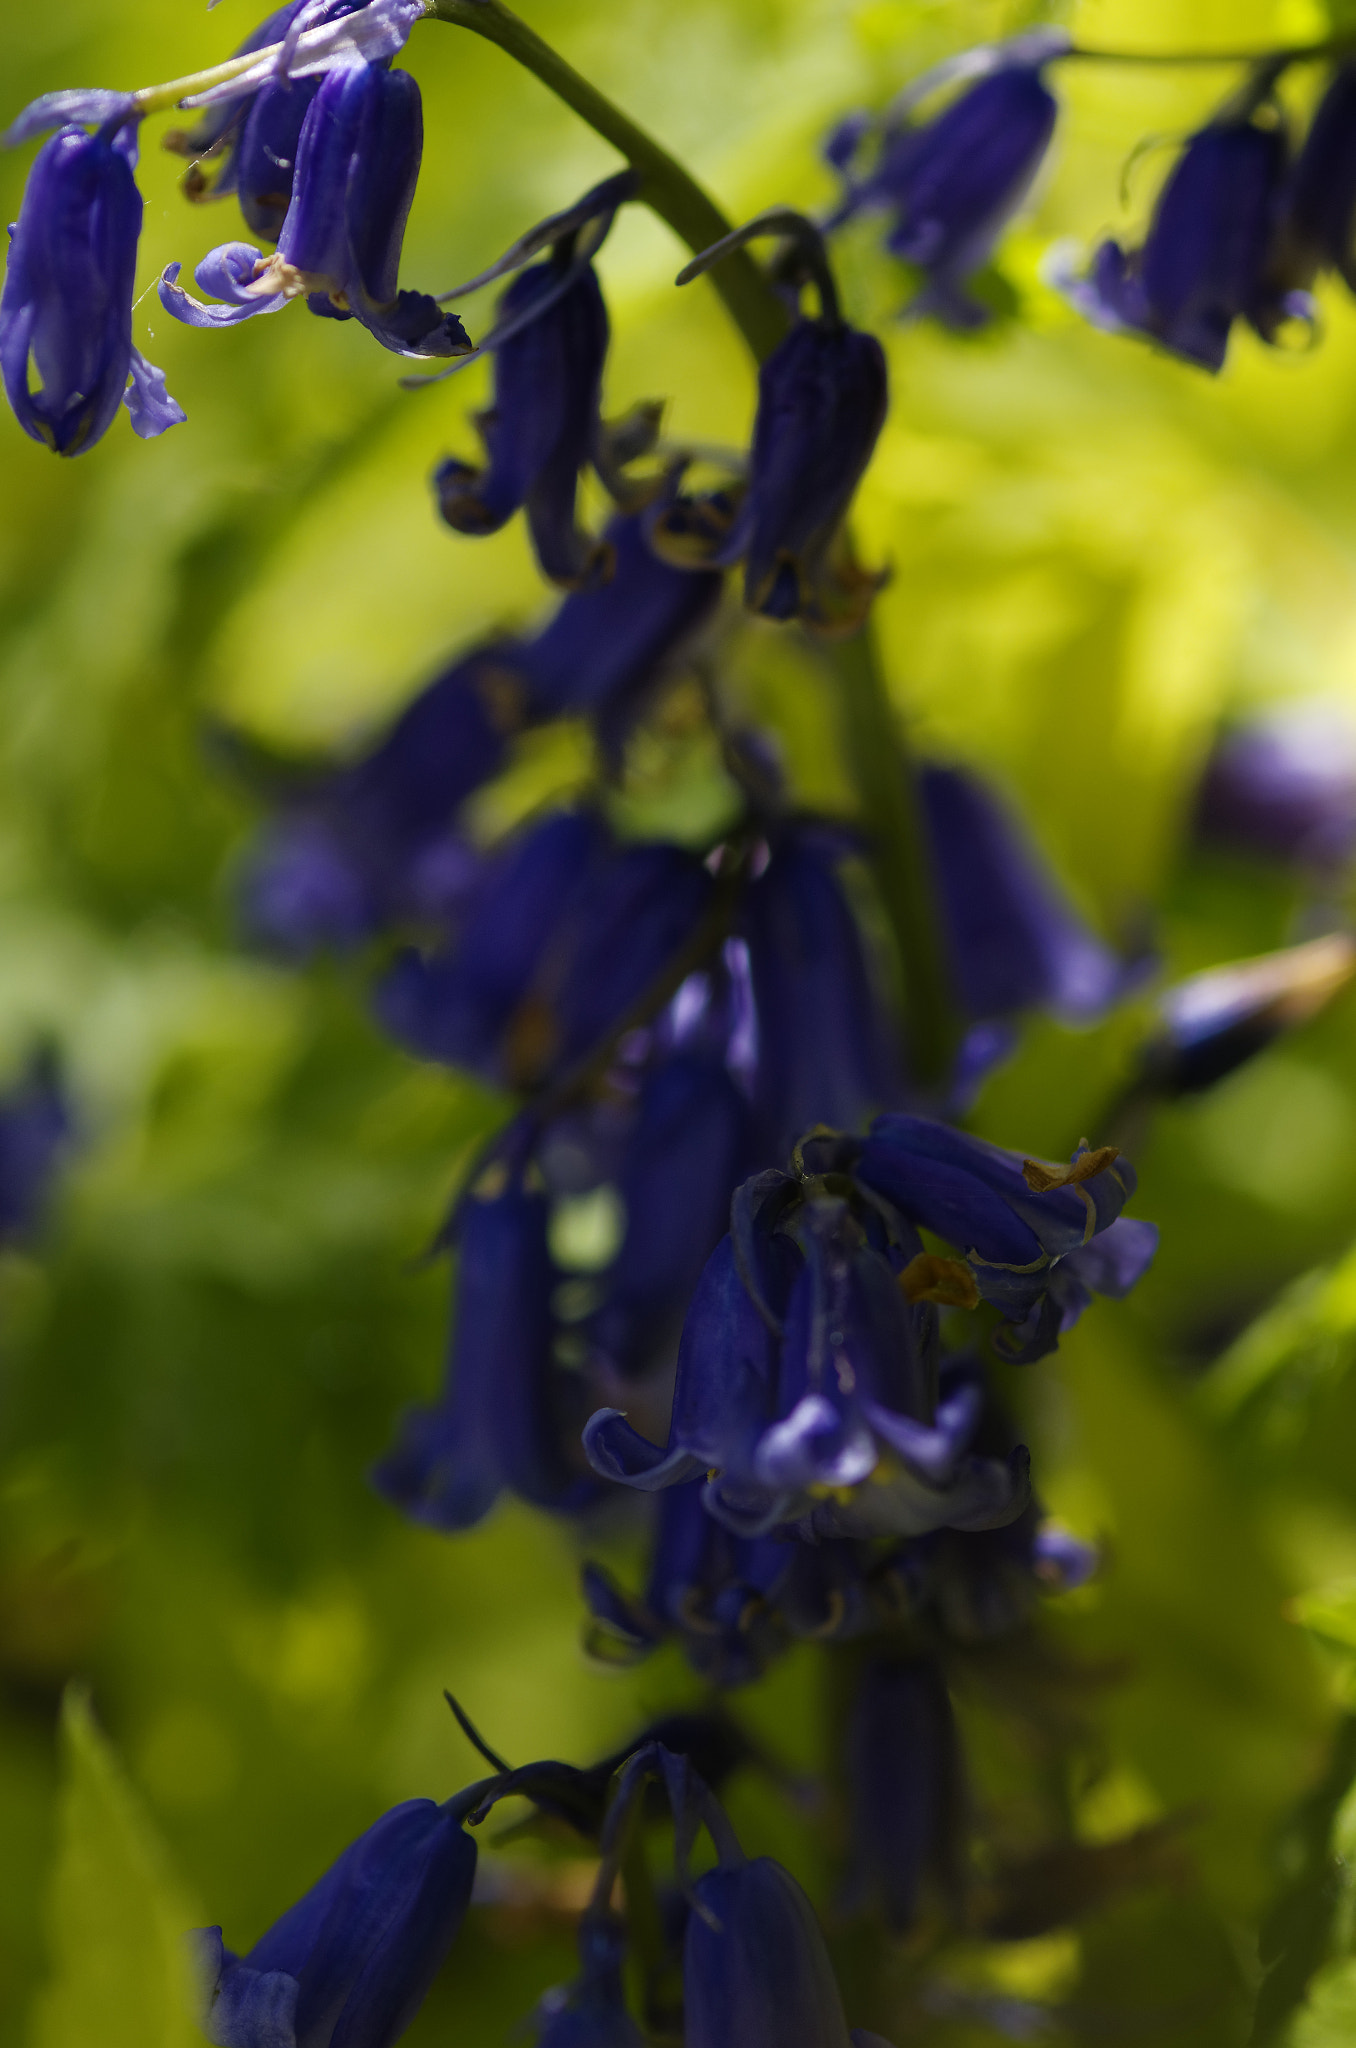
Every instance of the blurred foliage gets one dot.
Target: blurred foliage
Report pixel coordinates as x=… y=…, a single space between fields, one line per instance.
x=1096 y=554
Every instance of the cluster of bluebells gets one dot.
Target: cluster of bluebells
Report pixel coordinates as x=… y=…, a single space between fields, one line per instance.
x=1244 y=224
x=350 y=1963
x=782 y=1357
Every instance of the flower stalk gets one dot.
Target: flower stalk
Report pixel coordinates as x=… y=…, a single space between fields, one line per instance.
x=885 y=782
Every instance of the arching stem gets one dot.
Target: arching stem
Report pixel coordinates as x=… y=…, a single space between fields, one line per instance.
x=886 y=784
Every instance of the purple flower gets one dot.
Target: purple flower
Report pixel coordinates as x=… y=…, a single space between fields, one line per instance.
x=609 y=646
x=1212 y=1022
x=66 y=307
x=905 y=1787
x=591 y=2012
x=35 y=1129
x=807 y=1369
x=953 y=183
x=1015 y=942
x=756 y=1972
x=506 y=1415
x=543 y=429
x=562 y=934
x=1206 y=259
x=356 y=167
x=824 y=1053
x=1285 y=786
x=1320 y=199
x=362 y=847
x=348 y=1966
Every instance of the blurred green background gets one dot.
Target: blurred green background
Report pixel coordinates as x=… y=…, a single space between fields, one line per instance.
x=1096 y=555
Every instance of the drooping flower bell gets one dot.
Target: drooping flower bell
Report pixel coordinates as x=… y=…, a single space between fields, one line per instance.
x=1207 y=258
x=562 y=934
x=544 y=426
x=1211 y=1023
x=1017 y=1221
x=823 y=1035
x=905 y=1788
x=809 y=1386
x=1015 y=942
x=591 y=2012
x=66 y=307
x=366 y=846
x=250 y=144
x=1284 y=786
x=734 y=1603
x=609 y=646
x=1319 y=218
x=35 y=1129
x=508 y=1416
x=349 y=1965
x=822 y=400
x=953 y=183
x=981 y=1585
x=357 y=163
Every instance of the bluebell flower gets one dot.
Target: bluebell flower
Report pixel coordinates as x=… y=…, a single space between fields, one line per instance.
x=218 y=138
x=1111 y=1264
x=689 y=1147
x=544 y=427
x=508 y=1417
x=981 y=1585
x=822 y=401
x=349 y=1965
x=1284 y=785
x=905 y=1788
x=357 y=163
x=591 y=2012
x=824 y=1053
x=713 y=1591
x=608 y=646
x=809 y=1387
x=563 y=934
x=1015 y=942
x=1320 y=198
x=35 y=1129
x=756 y=1971
x=1013 y=1218
x=1212 y=1022
x=371 y=844
x=735 y=1603
x=66 y=307
x=1207 y=258
x=953 y=183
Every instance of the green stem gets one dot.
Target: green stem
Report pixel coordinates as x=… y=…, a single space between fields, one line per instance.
x=886 y=783
x=666 y=188
x=1295 y=53
x=887 y=788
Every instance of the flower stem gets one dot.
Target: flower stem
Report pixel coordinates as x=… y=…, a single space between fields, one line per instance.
x=885 y=782
x=1294 y=53
x=666 y=188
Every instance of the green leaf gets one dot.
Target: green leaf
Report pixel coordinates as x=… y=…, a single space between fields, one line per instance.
x=120 y=1971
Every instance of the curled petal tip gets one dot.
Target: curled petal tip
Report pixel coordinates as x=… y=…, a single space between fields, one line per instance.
x=87 y=105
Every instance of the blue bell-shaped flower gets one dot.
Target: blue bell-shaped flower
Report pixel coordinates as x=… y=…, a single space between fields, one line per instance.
x=953 y=183
x=357 y=163
x=1284 y=786
x=507 y=1417
x=905 y=1787
x=1206 y=260
x=66 y=307
x=348 y=1966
